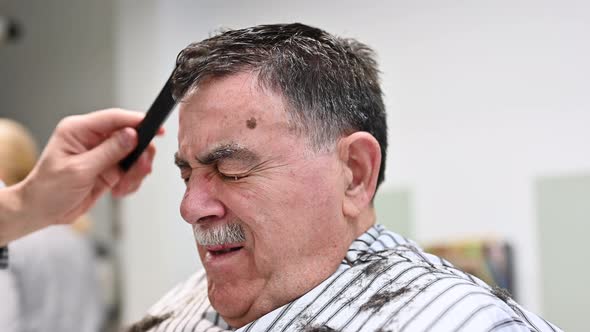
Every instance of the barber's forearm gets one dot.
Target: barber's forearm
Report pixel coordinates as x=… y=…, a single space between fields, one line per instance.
x=15 y=219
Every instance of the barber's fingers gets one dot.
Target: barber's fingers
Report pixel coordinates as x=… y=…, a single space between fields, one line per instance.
x=84 y=205
x=116 y=179
x=121 y=182
x=132 y=179
x=99 y=188
x=108 y=153
x=106 y=121
x=111 y=176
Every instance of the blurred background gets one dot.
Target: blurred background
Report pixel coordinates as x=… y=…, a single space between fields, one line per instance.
x=488 y=112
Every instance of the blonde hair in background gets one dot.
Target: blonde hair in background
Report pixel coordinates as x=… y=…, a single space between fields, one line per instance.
x=18 y=151
x=18 y=155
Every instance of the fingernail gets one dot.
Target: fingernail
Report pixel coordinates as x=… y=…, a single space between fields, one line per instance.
x=125 y=138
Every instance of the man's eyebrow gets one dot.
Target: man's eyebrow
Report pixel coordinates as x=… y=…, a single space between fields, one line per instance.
x=229 y=151
x=178 y=161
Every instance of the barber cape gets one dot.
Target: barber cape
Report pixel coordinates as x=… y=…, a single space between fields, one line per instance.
x=385 y=283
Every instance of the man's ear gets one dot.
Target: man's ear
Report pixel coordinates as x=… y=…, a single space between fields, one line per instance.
x=361 y=157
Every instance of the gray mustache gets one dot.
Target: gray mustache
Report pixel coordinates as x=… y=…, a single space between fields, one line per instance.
x=221 y=234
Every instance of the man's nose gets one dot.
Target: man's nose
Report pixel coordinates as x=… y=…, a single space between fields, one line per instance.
x=200 y=201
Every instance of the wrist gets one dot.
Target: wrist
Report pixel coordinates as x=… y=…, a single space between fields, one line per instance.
x=15 y=219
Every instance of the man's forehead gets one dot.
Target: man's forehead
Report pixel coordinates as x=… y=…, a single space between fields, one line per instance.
x=231 y=112
x=236 y=94
x=226 y=88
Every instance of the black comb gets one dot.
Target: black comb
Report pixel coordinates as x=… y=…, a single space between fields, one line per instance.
x=148 y=127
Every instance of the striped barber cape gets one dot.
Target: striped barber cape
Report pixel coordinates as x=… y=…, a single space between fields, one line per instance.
x=385 y=283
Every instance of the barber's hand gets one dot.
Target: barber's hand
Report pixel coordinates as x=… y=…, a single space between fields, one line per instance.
x=80 y=163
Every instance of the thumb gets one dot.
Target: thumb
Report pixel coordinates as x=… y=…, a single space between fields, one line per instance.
x=112 y=150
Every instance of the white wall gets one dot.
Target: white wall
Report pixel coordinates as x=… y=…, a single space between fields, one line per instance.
x=482 y=97
x=61 y=65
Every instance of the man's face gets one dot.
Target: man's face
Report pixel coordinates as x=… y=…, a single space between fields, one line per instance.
x=244 y=164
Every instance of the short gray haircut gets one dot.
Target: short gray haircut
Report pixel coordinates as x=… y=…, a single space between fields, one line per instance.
x=330 y=84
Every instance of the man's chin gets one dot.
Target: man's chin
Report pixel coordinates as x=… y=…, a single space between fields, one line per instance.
x=237 y=297
x=231 y=305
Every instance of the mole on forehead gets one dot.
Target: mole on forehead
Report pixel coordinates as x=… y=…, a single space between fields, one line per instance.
x=251 y=123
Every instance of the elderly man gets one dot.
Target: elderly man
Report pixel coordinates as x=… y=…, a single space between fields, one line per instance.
x=281 y=146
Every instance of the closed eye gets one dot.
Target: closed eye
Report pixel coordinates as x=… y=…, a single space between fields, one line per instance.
x=231 y=177
x=223 y=176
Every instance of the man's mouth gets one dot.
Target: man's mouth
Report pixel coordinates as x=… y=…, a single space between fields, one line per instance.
x=222 y=249
x=224 y=258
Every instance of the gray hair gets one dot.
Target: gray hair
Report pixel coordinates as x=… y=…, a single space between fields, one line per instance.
x=330 y=84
